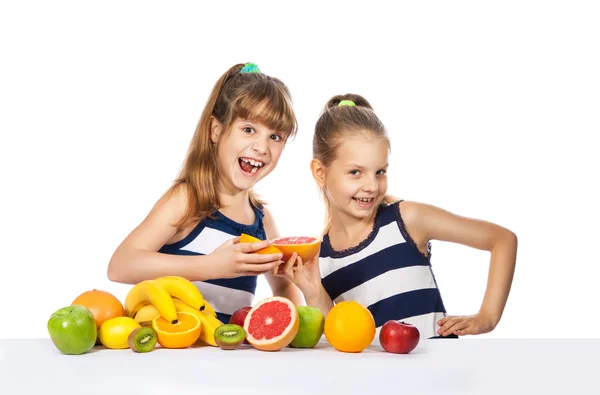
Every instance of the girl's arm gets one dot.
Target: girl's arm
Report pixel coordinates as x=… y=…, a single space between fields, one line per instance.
x=137 y=257
x=280 y=286
x=307 y=277
x=426 y=222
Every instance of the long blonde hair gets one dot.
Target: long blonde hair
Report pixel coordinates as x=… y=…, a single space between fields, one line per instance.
x=337 y=122
x=235 y=95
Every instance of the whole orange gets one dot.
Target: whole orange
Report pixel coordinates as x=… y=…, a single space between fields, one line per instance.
x=349 y=327
x=102 y=304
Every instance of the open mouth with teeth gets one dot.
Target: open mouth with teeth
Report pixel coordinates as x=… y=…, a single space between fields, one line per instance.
x=364 y=202
x=249 y=165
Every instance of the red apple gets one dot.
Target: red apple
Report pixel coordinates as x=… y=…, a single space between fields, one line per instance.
x=239 y=316
x=398 y=337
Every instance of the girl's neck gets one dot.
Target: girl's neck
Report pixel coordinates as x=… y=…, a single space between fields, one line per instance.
x=346 y=231
x=237 y=207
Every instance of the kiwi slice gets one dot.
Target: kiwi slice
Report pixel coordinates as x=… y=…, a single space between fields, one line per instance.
x=229 y=336
x=142 y=339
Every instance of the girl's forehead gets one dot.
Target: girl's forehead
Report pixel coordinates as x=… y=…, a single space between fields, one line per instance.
x=361 y=149
x=350 y=145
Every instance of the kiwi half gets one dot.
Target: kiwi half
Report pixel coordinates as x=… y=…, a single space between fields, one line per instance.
x=229 y=336
x=142 y=339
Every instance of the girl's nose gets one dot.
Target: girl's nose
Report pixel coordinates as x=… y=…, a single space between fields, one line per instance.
x=260 y=145
x=371 y=185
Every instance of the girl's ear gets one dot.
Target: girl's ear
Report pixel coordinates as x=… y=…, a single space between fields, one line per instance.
x=215 y=129
x=318 y=172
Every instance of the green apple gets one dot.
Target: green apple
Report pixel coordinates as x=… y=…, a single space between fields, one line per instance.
x=312 y=323
x=73 y=329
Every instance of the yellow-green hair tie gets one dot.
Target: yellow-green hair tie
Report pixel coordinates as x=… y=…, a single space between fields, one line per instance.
x=250 y=68
x=347 y=103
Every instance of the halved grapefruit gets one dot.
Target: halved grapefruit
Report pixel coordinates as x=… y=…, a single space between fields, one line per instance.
x=305 y=246
x=244 y=238
x=272 y=324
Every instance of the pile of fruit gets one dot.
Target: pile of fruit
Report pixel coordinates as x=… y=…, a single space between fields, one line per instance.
x=172 y=312
x=168 y=310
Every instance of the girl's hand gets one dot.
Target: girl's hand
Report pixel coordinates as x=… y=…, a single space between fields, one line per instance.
x=466 y=325
x=235 y=259
x=306 y=276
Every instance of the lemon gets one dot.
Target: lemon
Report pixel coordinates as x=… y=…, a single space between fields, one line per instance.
x=114 y=332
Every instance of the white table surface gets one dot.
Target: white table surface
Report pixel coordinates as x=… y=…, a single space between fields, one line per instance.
x=445 y=366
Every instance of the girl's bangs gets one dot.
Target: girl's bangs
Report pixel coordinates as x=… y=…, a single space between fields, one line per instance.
x=269 y=105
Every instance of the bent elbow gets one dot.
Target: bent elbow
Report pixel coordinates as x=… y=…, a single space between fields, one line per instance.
x=114 y=271
x=512 y=237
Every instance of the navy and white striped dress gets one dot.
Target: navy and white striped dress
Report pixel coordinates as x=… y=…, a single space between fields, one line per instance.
x=224 y=295
x=386 y=273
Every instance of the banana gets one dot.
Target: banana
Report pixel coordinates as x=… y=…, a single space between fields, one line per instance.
x=146 y=314
x=210 y=323
x=208 y=309
x=148 y=291
x=182 y=289
x=207 y=321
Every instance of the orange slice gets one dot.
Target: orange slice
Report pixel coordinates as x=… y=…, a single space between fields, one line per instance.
x=244 y=238
x=180 y=335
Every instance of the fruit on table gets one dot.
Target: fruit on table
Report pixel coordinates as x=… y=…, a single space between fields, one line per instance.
x=305 y=246
x=208 y=309
x=146 y=314
x=208 y=322
x=398 y=337
x=272 y=324
x=161 y=293
x=149 y=291
x=182 y=289
x=102 y=304
x=72 y=329
x=229 y=336
x=244 y=238
x=311 y=327
x=349 y=327
x=181 y=334
x=142 y=339
x=239 y=316
x=115 y=331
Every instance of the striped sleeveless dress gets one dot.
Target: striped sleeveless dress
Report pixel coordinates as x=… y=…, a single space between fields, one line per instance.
x=229 y=294
x=386 y=273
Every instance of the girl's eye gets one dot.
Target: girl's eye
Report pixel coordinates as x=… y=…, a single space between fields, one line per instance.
x=248 y=129
x=276 y=137
x=355 y=172
x=381 y=172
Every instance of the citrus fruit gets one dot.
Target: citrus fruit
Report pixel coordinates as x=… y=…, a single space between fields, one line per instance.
x=115 y=331
x=311 y=327
x=180 y=335
x=272 y=323
x=349 y=327
x=102 y=304
x=305 y=246
x=244 y=238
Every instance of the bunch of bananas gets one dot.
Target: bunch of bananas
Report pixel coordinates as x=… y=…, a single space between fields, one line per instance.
x=165 y=296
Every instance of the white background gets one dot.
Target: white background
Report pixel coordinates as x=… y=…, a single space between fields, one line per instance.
x=492 y=110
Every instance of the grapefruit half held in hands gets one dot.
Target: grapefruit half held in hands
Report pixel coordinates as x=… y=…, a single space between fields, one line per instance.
x=305 y=246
